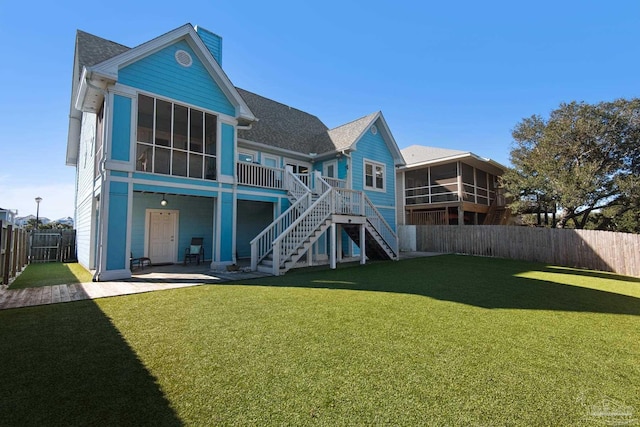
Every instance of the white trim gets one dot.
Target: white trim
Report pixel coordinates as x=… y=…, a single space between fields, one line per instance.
x=218 y=233
x=364 y=176
x=265 y=156
x=253 y=154
x=110 y=67
x=290 y=161
x=120 y=166
x=234 y=226
x=110 y=275
x=269 y=148
x=325 y=166
x=221 y=116
x=129 y=224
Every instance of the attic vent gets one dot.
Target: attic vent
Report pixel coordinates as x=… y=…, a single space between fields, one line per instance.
x=374 y=130
x=183 y=58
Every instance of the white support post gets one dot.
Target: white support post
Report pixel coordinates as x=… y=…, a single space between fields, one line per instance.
x=363 y=251
x=254 y=256
x=332 y=247
x=276 y=259
x=339 y=243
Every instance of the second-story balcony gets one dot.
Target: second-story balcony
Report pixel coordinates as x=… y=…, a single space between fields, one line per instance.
x=257 y=175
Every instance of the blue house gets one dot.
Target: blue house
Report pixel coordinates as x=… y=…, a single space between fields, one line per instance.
x=167 y=149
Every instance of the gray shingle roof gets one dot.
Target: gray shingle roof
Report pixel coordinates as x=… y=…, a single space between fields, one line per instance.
x=284 y=127
x=420 y=153
x=344 y=136
x=92 y=50
x=278 y=124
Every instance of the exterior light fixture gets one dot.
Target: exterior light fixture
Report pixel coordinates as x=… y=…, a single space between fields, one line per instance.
x=38 y=200
x=164 y=202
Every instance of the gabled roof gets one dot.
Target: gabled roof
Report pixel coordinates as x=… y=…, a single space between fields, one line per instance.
x=346 y=135
x=421 y=155
x=272 y=123
x=92 y=50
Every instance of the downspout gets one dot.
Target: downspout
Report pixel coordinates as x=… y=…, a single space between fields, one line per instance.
x=102 y=169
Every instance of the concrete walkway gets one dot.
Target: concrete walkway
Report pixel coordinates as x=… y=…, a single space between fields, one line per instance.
x=147 y=279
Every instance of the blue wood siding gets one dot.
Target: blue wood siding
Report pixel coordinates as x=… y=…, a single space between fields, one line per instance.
x=121 y=135
x=226 y=228
x=373 y=147
x=342 y=167
x=227 y=152
x=253 y=217
x=196 y=220
x=117 y=226
x=160 y=74
x=213 y=43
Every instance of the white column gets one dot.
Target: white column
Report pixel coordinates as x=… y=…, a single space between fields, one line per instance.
x=332 y=246
x=363 y=251
x=339 y=243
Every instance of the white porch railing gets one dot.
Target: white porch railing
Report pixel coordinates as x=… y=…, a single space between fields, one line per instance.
x=260 y=176
x=348 y=202
x=335 y=182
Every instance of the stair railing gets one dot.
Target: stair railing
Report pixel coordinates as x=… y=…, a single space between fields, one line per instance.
x=377 y=221
x=262 y=244
x=291 y=239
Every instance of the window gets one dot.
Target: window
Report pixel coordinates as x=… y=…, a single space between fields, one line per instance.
x=330 y=169
x=246 y=157
x=270 y=161
x=374 y=175
x=173 y=139
x=298 y=168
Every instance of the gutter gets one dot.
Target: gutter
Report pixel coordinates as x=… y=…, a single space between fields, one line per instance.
x=102 y=169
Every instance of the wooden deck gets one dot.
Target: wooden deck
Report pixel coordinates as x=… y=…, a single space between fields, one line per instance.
x=10 y=298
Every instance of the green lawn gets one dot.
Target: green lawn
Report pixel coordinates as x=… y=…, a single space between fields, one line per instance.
x=447 y=340
x=51 y=273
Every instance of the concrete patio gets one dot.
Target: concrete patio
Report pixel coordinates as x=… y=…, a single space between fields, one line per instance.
x=147 y=279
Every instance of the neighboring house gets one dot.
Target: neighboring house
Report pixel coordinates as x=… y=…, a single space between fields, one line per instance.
x=23 y=221
x=167 y=149
x=8 y=216
x=443 y=186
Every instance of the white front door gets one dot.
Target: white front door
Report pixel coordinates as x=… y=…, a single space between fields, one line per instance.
x=162 y=227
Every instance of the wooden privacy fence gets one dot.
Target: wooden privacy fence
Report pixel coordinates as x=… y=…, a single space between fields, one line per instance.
x=52 y=246
x=13 y=251
x=591 y=249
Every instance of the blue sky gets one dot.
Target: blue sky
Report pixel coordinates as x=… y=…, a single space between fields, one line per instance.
x=456 y=75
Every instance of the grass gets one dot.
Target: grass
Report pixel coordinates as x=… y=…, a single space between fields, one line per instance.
x=448 y=340
x=49 y=274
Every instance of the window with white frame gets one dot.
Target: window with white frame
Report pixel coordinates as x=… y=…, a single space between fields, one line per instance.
x=247 y=156
x=174 y=139
x=374 y=175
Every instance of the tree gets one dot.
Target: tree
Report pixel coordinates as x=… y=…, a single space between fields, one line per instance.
x=584 y=158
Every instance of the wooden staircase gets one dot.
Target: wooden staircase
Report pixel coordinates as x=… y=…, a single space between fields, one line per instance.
x=375 y=246
x=499 y=213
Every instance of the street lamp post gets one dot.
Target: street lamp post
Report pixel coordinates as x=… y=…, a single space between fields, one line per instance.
x=38 y=200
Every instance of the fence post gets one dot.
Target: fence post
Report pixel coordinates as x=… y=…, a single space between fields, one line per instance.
x=7 y=255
